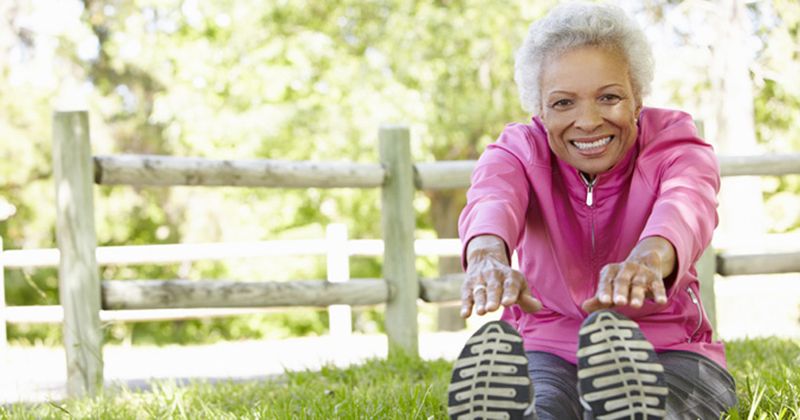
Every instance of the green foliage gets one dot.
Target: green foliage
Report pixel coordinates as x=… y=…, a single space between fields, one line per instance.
x=299 y=80
x=399 y=388
x=777 y=105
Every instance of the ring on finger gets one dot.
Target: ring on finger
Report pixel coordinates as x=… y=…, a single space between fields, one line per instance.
x=478 y=288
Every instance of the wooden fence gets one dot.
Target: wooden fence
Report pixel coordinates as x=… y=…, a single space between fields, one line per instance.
x=83 y=295
x=335 y=247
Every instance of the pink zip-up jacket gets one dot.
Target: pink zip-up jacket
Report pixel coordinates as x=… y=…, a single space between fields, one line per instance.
x=564 y=233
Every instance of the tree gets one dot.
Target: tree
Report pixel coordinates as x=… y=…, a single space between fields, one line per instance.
x=310 y=80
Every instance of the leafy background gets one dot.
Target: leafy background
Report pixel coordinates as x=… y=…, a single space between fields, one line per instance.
x=305 y=80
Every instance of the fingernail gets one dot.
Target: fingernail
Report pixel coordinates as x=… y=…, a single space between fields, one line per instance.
x=636 y=302
x=605 y=298
x=620 y=300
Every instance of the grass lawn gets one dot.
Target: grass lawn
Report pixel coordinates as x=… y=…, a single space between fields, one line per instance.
x=767 y=373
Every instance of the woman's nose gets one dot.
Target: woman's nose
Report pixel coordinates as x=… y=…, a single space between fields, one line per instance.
x=589 y=118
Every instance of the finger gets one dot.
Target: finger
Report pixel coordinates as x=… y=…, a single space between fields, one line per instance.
x=479 y=296
x=622 y=285
x=527 y=302
x=594 y=304
x=511 y=288
x=638 y=290
x=605 y=286
x=466 y=299
x=494 y=288
x=659 y=291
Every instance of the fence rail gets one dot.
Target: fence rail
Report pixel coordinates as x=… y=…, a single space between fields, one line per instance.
x=176 y=253
x=158 y=170
x=81 y=291
x=336 y=247
x=776 y=165
x=731 y=264
x=54 y=314
x=151 y=294
x=141 y=170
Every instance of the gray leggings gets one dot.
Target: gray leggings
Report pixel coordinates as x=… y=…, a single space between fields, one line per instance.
x=698 y=387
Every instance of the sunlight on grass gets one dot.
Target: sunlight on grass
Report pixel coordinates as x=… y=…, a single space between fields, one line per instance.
x=766 y=373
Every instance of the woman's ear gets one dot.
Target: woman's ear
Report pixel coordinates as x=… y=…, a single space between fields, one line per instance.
x=639 y=106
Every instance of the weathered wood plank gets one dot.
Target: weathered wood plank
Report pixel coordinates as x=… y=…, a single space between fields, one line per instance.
x=442 y=175
x=783 y=164
x=398 y=223
x=340 y=317
x=54 y=314
x=167 y=170
x=706 y=269
x=79 y=279
x=729 y=264
x=157 y=294
x=456 y=174
x=443 y=289
x=170 y=253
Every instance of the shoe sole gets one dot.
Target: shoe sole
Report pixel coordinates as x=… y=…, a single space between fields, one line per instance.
x=490 y=378
x=619 y=375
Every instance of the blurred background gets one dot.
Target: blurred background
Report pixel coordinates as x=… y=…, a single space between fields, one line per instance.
x=313 y=80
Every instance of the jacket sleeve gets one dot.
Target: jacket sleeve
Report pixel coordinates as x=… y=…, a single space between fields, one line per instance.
x=687 y=182
x=497 y=199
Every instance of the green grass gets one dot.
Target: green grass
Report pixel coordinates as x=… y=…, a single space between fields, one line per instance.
x=767 y=372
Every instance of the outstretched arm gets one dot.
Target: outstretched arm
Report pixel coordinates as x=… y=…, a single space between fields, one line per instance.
x=680 y=224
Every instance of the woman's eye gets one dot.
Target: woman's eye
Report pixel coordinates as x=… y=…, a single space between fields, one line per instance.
x=561 y=103
x=610 y=98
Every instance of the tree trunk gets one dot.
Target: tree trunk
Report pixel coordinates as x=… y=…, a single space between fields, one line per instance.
x=446 y=205
x=741 y=203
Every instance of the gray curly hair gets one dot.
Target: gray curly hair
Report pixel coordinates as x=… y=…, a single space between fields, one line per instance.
x=572 y=25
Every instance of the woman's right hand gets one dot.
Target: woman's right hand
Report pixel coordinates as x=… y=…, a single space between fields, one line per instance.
x=490 y=280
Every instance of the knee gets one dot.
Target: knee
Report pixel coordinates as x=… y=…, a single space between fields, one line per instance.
x=555 y=401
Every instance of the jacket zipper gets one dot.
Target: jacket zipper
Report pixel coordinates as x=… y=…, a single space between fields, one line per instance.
x=696 y=302
x=589 y=189
x=590 y=203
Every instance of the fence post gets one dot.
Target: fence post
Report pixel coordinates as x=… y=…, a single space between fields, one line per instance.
x=79 y=279
x=398 y=222
x=706 y=269
x=706 y=266
x=3 y=331
x=340 y=322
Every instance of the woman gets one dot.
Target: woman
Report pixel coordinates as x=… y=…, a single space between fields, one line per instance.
x=608 y=205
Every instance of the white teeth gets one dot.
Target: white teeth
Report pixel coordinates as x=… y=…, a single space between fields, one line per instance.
x=597 y=143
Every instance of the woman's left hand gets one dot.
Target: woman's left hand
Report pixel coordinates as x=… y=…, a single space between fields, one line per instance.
x=640 y=276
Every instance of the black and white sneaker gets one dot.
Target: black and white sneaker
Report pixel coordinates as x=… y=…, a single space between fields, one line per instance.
x=619 y=375
x=490 y=378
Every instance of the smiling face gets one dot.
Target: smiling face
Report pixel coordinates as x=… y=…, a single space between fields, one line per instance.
x=589 y=108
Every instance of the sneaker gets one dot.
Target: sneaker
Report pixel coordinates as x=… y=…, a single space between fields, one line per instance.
x=619 y=375
x=490 y=378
